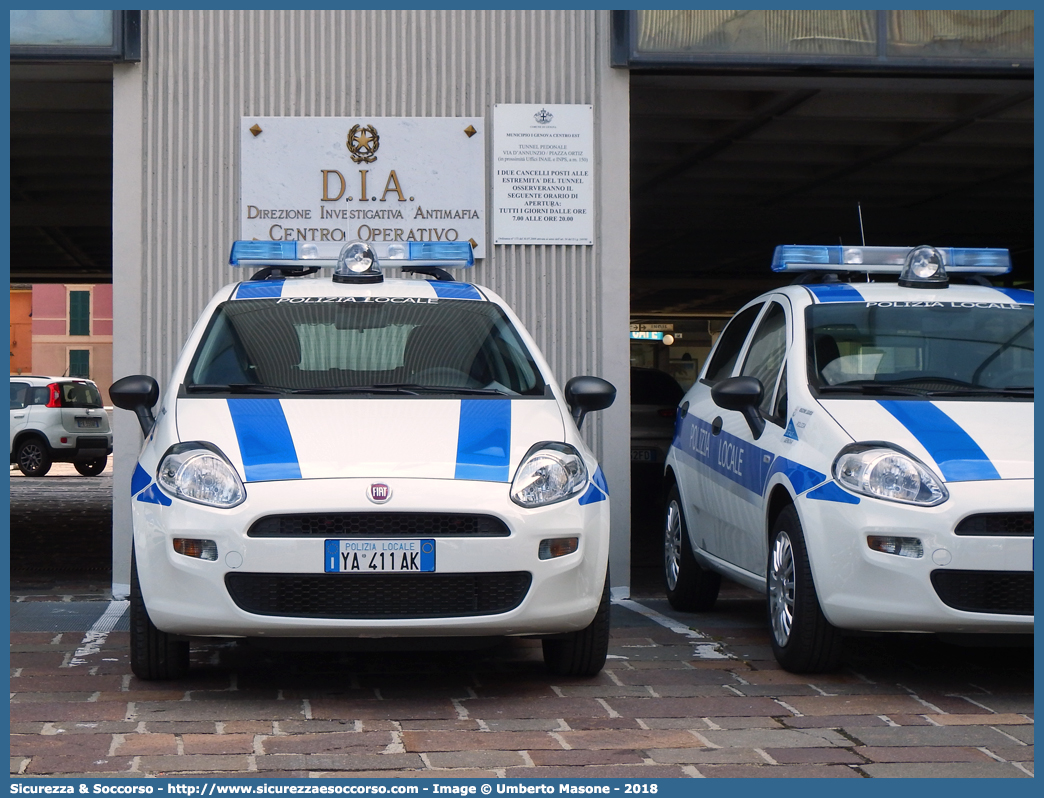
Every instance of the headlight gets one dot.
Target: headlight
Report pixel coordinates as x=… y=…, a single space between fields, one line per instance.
x=549 y=473
x=198 y=472
x=887 y=473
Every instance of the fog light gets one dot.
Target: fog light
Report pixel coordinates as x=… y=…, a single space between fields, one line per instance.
x=903 y=547
x=558 y=547
x=200 y=549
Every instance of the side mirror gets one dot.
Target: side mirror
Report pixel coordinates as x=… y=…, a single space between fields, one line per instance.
x=587 y=394
x=742 y=394
x=138 y=393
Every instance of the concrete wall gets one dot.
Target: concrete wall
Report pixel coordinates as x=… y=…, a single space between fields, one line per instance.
x=176 y=167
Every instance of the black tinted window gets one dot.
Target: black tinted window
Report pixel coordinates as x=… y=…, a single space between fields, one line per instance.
x=80 y=394
x=18 y=395
x=765 y=356
x=729 y=345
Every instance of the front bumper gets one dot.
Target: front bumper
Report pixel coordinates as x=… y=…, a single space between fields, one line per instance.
x=189 y=596
x=860 y=588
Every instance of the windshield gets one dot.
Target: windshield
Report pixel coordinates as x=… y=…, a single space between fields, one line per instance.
x=942 y=348
x=263 y=345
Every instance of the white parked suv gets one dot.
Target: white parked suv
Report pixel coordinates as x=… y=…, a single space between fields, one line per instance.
x=58 y=420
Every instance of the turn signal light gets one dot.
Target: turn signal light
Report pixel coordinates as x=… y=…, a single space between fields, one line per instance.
x=903 y=547
x=200 y=549
x=558 y=547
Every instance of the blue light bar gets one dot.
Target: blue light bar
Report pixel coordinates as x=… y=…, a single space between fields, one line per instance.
x=324 y=254
x=262 y=250
x=885 y=260
x=438 y=251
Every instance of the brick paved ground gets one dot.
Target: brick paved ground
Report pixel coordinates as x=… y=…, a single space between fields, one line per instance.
x=672 y=702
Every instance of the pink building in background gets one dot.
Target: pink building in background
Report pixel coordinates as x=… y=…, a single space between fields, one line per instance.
x=72 y=332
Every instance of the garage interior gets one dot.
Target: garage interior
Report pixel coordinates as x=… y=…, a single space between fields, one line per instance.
x=724 y=167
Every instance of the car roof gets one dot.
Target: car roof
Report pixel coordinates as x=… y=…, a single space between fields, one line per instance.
x=861 y=292
x=303 y=288
x=50 y=379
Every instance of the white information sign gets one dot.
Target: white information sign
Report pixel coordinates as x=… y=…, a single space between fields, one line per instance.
x=367 y=178
x=543 y=175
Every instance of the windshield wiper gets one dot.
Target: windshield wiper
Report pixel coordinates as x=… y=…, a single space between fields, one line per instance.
x=1015 y=390
x=390 y=389
x=412 y=386
x=235 y=387
x=874 y=388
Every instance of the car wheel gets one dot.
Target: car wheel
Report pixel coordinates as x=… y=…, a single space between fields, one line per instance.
x=33 y=459
x=581 y=653
x=91 y=468
x=154 y=654
x=803 y=640
x=690 y=587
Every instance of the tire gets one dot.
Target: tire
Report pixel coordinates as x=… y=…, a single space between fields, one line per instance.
x=32 y=458
x=803 y=640
x=581 y=653
x=689 y=586
x=91 y=468
x=155 y=655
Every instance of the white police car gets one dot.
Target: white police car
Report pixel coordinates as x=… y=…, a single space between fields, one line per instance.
x=369 y=458
x=862 y=451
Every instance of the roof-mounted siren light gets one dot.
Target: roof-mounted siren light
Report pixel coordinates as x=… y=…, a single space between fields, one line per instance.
x=357 y=263
x=328 y=255
x=893 y=260
x=924 y=268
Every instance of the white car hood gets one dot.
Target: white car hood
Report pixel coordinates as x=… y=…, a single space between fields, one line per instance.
x=962 y=441
x=319 y=438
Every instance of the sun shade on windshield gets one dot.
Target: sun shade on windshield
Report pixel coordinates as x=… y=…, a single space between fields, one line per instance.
x=945 y=346
x=346 y=345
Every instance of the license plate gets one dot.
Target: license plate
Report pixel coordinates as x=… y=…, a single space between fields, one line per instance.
x=379 y=556
x=644 y=455
x=88 y=423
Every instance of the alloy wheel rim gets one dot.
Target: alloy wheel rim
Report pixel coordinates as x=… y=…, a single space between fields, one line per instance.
x=31 y=457
x=672 y=545
x=781 y=588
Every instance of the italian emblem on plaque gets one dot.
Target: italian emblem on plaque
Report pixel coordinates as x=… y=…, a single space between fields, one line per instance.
x=363 y=142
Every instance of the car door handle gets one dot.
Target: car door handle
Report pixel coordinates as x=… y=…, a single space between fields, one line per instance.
x=19 y=415
x=716 y=426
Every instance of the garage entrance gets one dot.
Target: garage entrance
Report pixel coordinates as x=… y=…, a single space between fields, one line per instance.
x=730 y=158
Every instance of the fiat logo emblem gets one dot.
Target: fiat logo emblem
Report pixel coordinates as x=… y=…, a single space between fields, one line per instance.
x=379 y=493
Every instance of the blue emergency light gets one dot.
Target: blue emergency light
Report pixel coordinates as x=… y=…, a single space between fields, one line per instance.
x=886 y=260
x=326 y=254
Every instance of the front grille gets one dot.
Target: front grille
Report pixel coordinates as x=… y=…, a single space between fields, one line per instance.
x=1005 y=592
x=366 y=596
x=997 y=524
x=378 y=525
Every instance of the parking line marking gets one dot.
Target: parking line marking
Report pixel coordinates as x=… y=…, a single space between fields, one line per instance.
x=99 y=632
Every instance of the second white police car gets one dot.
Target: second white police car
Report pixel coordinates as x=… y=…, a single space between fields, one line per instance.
x=862 y=451
x=359 y=457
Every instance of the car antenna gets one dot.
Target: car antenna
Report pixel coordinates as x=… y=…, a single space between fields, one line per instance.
x=862 y=232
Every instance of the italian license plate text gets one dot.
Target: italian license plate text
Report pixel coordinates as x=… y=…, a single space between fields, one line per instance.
x=379 y=556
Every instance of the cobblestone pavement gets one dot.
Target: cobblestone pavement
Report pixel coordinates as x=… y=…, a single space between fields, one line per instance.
x=681 y=696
